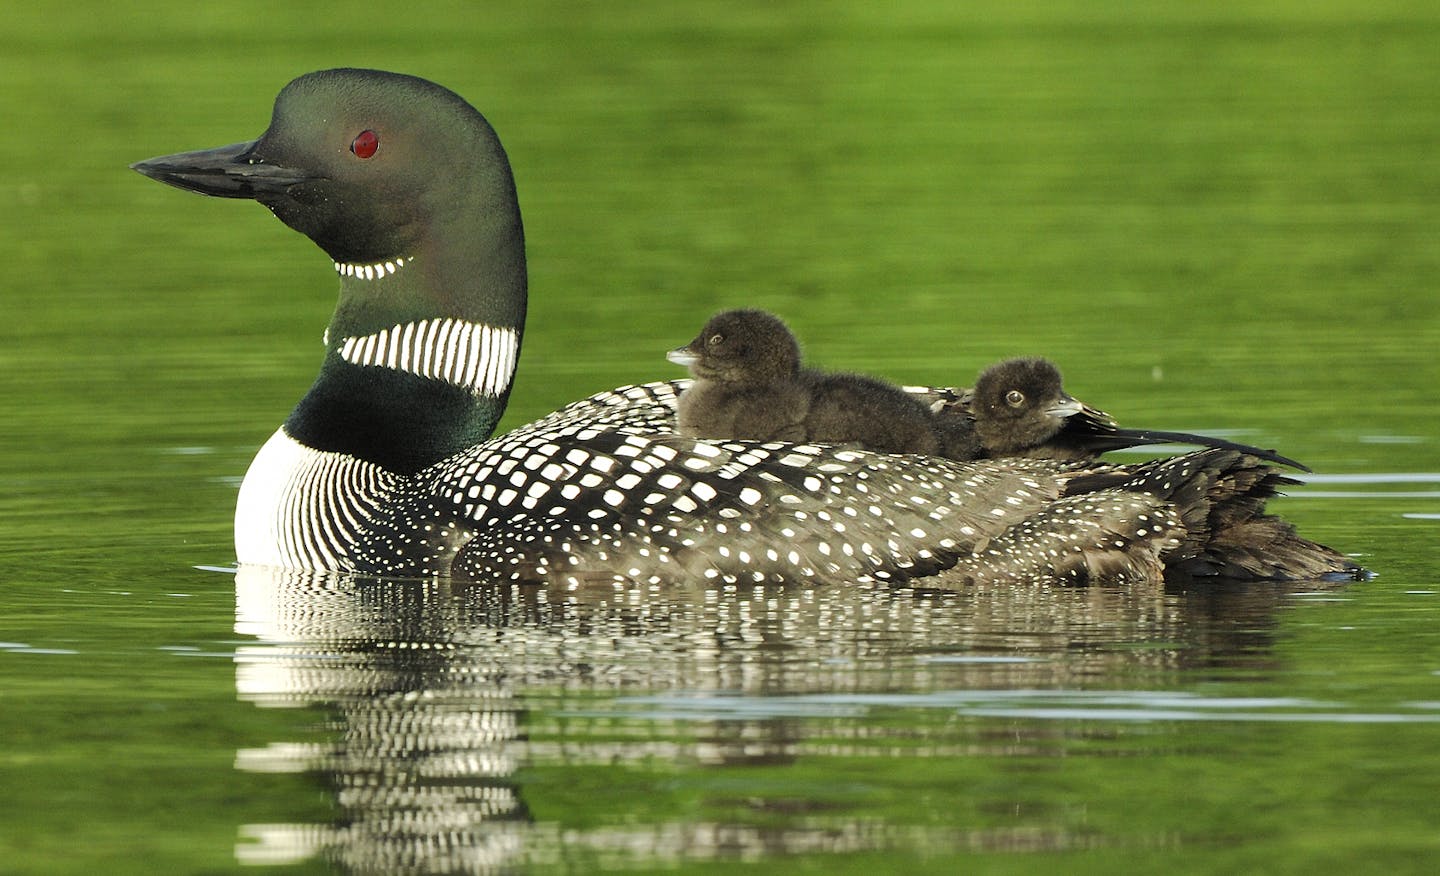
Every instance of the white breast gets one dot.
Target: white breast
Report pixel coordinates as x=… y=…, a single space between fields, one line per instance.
x=301 y=508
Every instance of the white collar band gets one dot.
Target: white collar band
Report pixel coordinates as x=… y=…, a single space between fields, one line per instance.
x=372 y=271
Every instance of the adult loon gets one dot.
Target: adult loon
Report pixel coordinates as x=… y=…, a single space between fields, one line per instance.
x=386 y=466
x=1019 y=407
x=749 y=384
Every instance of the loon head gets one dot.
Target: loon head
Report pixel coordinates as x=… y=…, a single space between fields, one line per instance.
x=370 y=165
x=407 y=188
x=1020 y=404
x=744 y=347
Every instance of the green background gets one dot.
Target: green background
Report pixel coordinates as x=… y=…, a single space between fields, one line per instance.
x=1219 y=217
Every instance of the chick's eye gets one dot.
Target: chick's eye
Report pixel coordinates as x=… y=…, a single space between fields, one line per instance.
x=1014 y=398
x=365 y=144
x=716 y=340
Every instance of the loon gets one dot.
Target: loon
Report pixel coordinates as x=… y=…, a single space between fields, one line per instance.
x=387 y=465
x=1019 y=407
x=749 y=384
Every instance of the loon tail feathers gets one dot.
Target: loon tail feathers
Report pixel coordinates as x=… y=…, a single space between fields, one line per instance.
x=1220 y=495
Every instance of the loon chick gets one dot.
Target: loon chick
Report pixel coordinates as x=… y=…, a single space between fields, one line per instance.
x=387 y=466
x=749 y=384
x=1019 y=407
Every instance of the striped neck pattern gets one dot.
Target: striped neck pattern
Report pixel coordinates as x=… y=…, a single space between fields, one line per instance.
x=301 y=508
x=476 y=357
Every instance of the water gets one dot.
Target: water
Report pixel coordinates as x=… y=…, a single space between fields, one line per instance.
x=1216 y=219
x=496 y=726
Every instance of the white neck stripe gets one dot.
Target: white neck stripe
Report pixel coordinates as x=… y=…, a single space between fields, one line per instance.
x=476 y=357
x=373 y=271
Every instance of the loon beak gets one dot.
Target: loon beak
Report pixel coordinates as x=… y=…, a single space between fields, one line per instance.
x=1065 y=407
x=224 y=172
x=682 y=356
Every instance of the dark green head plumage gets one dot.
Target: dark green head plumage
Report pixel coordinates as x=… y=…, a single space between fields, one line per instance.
x=376 y=166
x=360 y=161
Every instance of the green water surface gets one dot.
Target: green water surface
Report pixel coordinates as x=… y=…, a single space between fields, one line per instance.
x=1219 y=217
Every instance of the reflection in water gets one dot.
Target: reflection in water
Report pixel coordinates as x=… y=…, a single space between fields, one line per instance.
x=440 y=691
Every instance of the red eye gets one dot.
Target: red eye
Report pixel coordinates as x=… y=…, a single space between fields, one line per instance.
x=365 y=144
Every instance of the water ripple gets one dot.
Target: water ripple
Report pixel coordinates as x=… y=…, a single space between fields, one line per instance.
x=1379 y=477
x=1028 y=704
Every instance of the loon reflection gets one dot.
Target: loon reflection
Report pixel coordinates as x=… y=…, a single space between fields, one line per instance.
x=440 y=694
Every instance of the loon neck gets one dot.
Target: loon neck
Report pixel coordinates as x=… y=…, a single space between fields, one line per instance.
x=419 y=355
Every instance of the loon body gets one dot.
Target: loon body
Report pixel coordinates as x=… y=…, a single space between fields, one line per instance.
x=387 y=465
x=749 y=384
